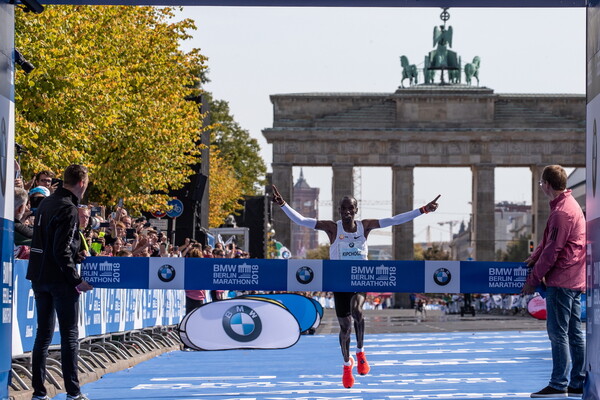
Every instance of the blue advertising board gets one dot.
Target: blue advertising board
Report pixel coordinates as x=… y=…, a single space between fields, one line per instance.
x=102 y=310
x=305 y=275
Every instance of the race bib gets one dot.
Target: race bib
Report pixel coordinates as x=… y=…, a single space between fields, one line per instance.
x=352 y=251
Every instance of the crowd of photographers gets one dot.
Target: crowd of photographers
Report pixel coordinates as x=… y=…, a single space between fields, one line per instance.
x=104 y=232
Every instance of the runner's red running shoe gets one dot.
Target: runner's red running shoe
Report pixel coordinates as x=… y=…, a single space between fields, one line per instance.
x=363 y=365
x=347 y=378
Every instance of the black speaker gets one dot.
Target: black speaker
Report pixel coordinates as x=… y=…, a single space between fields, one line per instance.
x=198 y=186
x=253 y=217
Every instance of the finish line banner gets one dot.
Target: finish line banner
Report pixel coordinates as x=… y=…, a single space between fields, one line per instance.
x=305 y=275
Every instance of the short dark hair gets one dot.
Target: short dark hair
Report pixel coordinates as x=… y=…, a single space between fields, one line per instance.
x=556 y=176
x=74 y=174
x=351 y=198
x=44 y=172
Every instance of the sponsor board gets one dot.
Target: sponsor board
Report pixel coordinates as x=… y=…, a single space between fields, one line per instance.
x=493 y=277
x=241 y=323
x=372 y=276
x=166 y=273
x=305 y=275
x=101 y=310
x=442 y=277
x=116 y=272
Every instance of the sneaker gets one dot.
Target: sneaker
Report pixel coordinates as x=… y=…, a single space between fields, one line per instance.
x=362 y=365
x=40 y=398
x=572 y=392
x=549 y=392
x=80 y=396
x=347 y=378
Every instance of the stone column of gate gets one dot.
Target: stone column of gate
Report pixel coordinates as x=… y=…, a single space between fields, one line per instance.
x=484 y=235
x=402 y=235
x=540 y=209
x=342 y=184
x=402 y=201
x=282 y=178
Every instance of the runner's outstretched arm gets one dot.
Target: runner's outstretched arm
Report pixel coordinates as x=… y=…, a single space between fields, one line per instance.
x=398 y=219
x=328 y=226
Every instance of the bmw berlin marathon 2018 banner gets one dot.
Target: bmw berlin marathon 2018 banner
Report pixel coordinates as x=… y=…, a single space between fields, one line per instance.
x=304 y=275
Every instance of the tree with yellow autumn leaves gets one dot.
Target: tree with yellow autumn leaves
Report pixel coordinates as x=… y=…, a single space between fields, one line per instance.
x=109 y=92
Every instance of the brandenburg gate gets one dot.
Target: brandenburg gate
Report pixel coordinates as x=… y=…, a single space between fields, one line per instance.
x=426 y=126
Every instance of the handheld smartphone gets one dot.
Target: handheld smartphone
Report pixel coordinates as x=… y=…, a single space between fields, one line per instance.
x=57 y=181
x=120 y=203
x=129 y=233
x=104 y=224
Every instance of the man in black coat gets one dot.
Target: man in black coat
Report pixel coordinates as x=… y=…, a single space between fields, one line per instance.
x=55 y=281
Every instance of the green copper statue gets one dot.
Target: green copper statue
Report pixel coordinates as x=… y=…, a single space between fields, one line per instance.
x=409 y=71
x=441 y=58
x=472 y=70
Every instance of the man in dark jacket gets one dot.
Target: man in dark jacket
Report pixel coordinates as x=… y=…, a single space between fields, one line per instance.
x=55 y=280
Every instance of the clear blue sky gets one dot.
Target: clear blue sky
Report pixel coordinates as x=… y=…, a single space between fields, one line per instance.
x=256 y=52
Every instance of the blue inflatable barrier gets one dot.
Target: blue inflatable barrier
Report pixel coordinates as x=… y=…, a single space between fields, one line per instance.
x=301 y=307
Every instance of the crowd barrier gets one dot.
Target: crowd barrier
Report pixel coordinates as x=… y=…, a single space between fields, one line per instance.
x=102 y=310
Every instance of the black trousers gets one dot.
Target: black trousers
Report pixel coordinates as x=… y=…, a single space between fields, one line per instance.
x=64 y=300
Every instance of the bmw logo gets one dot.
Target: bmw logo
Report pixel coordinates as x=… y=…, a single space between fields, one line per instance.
x=351 y=245
x=442 y=276
x=166 y=273
x=304 y=275
x=242 y=324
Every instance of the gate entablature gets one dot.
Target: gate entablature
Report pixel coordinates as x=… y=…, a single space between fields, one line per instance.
x=428 y=106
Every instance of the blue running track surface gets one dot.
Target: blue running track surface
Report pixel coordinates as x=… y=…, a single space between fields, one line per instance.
x=466 y=365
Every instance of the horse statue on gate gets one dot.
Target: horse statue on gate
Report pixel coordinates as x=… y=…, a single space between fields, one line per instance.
x=472 y=70
x=454 y=74
x=409 y=71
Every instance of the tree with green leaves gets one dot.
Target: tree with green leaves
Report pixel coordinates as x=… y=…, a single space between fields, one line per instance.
x=435 y=252
x=109 y=92
x=516 y=251
x=236 y=146
x=320 y=253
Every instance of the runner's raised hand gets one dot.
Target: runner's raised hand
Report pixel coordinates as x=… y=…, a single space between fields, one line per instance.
x=277 y=197
x=432 y=205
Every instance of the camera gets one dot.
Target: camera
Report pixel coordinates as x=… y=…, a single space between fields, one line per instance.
x=22 y=62
x=97 y=223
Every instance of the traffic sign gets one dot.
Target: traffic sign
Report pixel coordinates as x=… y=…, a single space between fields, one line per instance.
x=177 y=208
x=159 y=214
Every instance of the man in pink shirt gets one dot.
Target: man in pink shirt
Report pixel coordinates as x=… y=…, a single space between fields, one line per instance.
x=559 y=262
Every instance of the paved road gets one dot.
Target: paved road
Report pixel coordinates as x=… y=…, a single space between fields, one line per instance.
x=440 y=357
x=411 y=366
x=405 y=321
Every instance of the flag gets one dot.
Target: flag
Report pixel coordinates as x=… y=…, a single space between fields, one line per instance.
x=282 y=251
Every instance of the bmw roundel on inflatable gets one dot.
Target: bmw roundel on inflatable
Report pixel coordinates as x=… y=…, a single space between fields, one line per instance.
x=240 y=323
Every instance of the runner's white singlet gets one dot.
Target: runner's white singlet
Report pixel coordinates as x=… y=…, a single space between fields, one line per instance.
x=349 y=245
